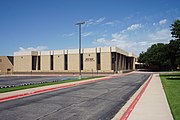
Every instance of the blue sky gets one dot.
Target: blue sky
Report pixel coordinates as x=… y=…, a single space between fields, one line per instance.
x=133 y=25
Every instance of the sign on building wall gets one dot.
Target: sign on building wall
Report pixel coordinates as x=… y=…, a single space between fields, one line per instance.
x=89 y=60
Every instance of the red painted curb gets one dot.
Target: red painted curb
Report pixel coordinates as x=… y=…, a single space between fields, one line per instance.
x=133 y=104
x=49 y=89
x=54 y=88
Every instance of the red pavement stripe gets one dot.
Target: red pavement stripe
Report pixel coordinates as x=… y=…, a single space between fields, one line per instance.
x=51 y=89
x=48 y=89
x=133 y=104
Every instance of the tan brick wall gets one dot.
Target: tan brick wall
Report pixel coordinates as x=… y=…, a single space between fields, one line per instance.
x=22 y=63
x=133 y=63
x=59 y=62
x=73 y=62
x=106 y=61
x=89 y=60
x=5 y=64
x=45 y=62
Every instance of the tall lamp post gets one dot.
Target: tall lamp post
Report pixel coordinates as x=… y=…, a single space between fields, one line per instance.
x=80 y=24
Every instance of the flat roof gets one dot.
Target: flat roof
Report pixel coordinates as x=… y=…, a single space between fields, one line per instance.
x=76 y=51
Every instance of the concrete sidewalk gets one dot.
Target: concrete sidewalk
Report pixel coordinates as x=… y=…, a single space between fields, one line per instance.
x=153 y=104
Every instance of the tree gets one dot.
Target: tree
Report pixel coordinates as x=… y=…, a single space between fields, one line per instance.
x=174 y=53
x=141 y=58
x=155 y=56
x=175 y=29
x=164 y=56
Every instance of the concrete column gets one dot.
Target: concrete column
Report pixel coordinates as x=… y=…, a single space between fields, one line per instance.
x=133 y=64
x=37 y=62
x=132 y=59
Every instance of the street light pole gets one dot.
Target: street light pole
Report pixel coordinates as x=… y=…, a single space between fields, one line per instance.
x=79 y=24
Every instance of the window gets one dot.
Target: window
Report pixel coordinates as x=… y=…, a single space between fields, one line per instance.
x=113 y=60
x=65 y=62
x=34 y=61
x=39 y=63
x=52 y=66
x=81 y=61
x=98 y=61
x=0 y=60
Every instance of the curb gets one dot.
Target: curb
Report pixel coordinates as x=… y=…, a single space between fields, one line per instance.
x=61 y=86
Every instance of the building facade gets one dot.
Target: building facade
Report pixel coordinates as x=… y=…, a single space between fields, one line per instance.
x=101 y=60
x=6 y=65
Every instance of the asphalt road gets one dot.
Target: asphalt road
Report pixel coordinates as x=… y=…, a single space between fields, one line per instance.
x=95 y=101
x=19 y=80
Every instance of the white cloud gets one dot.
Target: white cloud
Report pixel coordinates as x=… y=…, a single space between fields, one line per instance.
x=86 y=34
x=94 y=22
x=112 y=23
x=109 y=23
x=119 y=36
x=161 y=22
x=69 y=35
x=38 y=48
x=101 y=40
x=89 y=22
x=161 y=35
x=143 y=43
x=118 y=39
x=126 y=44
x=100 y=20
x=137 y=43
x=104 y=35
x=134 y=27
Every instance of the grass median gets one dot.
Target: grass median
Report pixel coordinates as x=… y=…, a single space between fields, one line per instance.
x=171 y=85
x=2 y=90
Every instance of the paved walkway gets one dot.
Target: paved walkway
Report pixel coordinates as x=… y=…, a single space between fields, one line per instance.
x=153 y=104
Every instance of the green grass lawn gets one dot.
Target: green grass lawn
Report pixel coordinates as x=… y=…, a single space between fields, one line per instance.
x=171 y=84
x=2 y=90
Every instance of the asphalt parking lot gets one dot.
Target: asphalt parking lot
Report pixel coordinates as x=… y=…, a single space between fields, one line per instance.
x=95 y=101
x=19 y=80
